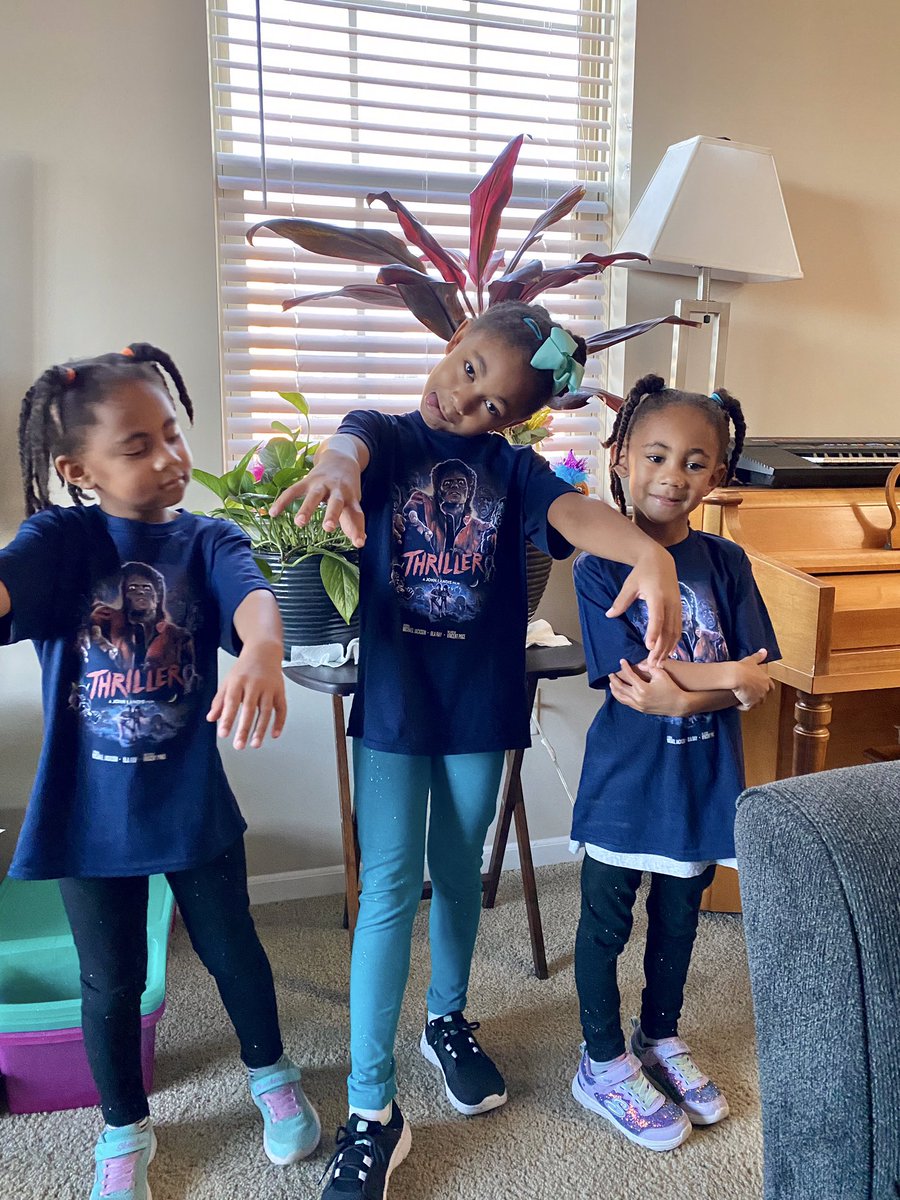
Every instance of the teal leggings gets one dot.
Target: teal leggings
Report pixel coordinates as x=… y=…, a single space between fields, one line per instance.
x=391 y=799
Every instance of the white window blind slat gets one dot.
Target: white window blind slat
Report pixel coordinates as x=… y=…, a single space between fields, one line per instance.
x=346 y=89
x=276 y=94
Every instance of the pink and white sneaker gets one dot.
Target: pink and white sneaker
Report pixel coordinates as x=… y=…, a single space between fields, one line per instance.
x=670 y=1065
x=625 y=1097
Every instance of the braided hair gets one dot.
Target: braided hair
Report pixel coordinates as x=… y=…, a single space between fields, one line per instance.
x=58 y=408
x=650 y=395
x=507 y=320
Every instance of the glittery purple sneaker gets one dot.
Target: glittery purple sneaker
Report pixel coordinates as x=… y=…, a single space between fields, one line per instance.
x=628 y=1100
x=671 y=1067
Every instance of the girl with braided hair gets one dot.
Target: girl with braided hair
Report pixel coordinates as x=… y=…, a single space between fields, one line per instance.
x=663 y=764
x=128 y=600
x=442 y=506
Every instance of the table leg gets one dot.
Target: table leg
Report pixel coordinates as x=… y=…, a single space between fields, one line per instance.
x=512 y=804
x=813 y=714
x=348 y=828
x=510 y=798
x=529 y=886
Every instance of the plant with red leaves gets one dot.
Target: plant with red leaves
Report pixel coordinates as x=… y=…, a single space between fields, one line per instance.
x=441 y=305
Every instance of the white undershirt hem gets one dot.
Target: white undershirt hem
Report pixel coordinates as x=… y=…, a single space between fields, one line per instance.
x=649 y=862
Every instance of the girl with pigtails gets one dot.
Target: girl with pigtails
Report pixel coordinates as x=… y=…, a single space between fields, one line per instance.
x=663 y=763
x=127 y=600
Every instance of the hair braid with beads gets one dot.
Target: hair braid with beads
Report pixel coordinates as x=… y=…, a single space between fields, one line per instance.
x=58 y=408
x=650 y=395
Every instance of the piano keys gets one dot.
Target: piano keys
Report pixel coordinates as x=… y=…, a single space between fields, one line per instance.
x=817 y=462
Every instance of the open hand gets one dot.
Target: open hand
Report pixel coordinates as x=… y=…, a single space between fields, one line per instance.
x=336 y=481
x=255 y=689
x=651 y=691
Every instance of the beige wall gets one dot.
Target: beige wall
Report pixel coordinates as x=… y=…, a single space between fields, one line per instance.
x=818 y=83
x=107 y=236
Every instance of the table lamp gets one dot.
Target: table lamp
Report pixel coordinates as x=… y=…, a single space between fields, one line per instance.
x=715 y=207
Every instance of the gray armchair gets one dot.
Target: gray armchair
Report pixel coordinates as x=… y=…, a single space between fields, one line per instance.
x=819 y=860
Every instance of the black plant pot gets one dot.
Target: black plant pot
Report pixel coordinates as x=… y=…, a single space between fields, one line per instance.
x=537 y=573
x=309 y=617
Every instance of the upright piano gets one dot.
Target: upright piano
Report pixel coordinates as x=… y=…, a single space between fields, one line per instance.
x=821 y=557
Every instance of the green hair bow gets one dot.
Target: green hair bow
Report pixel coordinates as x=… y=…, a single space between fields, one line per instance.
x=555 y=354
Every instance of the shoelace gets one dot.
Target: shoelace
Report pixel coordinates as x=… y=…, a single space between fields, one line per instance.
x=118 y=1174
x=282 y=1102
x=452 y=1035
x=640 y=1088
x=686 y=1068
x=354 y=1153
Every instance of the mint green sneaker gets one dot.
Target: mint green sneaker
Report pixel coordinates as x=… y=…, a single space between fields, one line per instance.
x=291 y=1128
x=122 y=1157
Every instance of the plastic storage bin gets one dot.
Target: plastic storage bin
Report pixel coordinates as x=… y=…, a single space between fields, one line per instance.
x=42 y=1058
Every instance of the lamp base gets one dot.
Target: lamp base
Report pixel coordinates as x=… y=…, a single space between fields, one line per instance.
x=705 y=311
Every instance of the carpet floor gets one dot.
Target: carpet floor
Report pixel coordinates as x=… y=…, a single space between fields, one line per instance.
x=540 y=1146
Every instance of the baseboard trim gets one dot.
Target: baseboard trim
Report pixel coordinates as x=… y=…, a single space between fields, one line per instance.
x=329 y=881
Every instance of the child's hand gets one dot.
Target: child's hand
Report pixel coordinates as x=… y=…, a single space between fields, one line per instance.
x=255 y=686
x=336 y=479
x=655 y=692
x=653 y=579
x=753 y=683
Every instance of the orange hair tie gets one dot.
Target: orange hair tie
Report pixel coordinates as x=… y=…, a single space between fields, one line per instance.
x=127 y=352
x=70 y=374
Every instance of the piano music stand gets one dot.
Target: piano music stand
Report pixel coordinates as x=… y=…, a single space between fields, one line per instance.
x=541 y=662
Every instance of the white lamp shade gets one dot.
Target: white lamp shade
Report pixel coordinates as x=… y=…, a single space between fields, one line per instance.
x=716 y=204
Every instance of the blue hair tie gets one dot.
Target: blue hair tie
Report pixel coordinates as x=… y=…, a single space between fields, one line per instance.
x=718 y=399
x=534 y=327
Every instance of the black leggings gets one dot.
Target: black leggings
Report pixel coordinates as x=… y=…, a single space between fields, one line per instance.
x=607 y=900
x=108 y=919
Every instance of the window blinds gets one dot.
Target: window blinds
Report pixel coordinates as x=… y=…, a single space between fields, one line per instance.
x=321 y=102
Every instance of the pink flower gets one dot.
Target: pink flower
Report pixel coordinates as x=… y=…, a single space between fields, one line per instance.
x=257 y=470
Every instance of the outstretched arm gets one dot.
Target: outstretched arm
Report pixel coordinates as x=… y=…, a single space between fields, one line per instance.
x=336 y=479
x=593 y=526
x=255 y=685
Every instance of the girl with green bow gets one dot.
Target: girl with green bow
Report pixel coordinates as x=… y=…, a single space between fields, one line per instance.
x=441 y=510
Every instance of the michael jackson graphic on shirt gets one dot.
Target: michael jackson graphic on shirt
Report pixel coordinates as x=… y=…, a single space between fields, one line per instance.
x=138 y=664
x=445 y=538
x=702 y=639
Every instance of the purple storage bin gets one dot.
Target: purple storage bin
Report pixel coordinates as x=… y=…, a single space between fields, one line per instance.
x=47 y=1070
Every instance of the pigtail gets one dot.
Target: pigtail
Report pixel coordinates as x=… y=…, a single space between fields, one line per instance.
x=733 y=411
x=38 y=424
x=648 y=385
x=144 y=352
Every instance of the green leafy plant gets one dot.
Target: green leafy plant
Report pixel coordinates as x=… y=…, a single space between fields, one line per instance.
x=469 y=282
x=246 y=493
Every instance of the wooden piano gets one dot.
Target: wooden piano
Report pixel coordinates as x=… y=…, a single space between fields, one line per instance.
x=824 y=562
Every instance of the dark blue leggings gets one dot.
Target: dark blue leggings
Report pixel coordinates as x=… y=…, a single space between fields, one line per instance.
x=109 y=919
x=607 y=899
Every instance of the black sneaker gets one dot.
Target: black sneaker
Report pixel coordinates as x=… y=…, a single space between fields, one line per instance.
x=365 y=1155
x=472 y=1082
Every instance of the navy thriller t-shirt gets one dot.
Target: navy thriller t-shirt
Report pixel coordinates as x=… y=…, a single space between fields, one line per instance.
x=127 y=619
x=667 y=785
x=443 y=601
